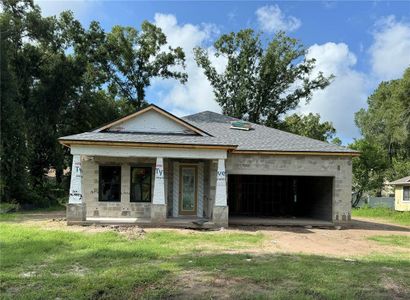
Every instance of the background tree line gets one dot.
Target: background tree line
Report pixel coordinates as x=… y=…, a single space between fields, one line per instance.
x=59 y=78
x=385 y=142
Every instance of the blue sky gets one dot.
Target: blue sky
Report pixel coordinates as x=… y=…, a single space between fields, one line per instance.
x=361 y=43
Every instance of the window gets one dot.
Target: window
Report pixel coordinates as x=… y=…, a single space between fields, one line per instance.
x=110 y=183
x=406 y=193
x=140 y=184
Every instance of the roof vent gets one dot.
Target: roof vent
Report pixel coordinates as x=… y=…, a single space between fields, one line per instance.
x=241 y=125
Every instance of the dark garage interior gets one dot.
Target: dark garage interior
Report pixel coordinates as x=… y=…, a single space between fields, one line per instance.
x=266 y=196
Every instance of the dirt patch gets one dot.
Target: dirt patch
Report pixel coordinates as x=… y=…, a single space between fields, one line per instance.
x=195 y=284
x=395 y=290
x=349 y=242
x=130 y=232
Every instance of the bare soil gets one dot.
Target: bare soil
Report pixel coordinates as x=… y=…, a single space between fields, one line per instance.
x=350 y=241
x=194 y=284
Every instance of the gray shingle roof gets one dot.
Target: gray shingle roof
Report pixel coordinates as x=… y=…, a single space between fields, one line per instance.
x=401 y=181
x=260 y=138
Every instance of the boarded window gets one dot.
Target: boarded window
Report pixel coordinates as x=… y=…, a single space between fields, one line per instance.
x=140 y=184
x=406 y=193
x=110 y=183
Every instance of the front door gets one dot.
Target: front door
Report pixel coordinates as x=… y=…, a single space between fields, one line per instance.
x=188 y=190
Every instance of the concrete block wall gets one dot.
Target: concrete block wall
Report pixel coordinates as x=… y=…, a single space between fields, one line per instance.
x=213 y=167
x=125 y=208
x=338 y=167
x=170 y=186
x=207 y=197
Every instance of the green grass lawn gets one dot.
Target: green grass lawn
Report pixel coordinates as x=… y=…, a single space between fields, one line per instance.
x=395 y=240
x=390 y=215
x=39 y=263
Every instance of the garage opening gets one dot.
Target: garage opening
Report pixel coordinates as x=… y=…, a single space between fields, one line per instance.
x=298 y=198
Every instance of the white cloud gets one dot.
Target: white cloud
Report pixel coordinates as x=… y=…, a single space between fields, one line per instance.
x=271 y=18
x=196 y=95
x=345 y=95
x=390 y=52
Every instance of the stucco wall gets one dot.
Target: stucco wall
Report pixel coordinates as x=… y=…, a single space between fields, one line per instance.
x=338 y=167
x=399 y=204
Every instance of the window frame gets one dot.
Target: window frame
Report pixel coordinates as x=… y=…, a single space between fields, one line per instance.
x=408 y=199
x=100 y=184
x=150 y=182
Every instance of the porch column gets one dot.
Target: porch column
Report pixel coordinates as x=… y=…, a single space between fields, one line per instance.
x=158 y=207
x=76 y=206
x=220 y=211
x=220 y=192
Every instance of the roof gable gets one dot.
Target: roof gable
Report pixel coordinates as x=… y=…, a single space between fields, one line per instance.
x=151 y=119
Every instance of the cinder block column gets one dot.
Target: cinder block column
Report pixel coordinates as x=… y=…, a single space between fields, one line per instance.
x=220 y=210
x=158 y=207
x=76 y=211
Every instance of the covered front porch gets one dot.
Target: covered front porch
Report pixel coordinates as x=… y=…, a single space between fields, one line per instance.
x=148 y=186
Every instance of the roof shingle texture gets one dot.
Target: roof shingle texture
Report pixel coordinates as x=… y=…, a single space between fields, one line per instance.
x=404 y=180
x=259 y=138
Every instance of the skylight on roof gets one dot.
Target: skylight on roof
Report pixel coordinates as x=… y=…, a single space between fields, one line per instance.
x=241 y=125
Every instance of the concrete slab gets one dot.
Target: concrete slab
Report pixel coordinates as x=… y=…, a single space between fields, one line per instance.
x=278 y=221
x=117 y=221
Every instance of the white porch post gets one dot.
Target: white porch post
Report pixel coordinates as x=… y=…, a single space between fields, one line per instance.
x=76 y=189
x=158 y=207
x=159 y=183
x=220 y=210
x=220 y=193
x=76 y=211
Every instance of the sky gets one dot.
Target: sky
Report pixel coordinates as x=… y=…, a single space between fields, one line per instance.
x=361 y=43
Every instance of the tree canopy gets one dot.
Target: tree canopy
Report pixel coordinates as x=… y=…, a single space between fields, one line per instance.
x=260 y=84
x=385 y=145
x=133 y=58
x=59 y=78
x=308 y=125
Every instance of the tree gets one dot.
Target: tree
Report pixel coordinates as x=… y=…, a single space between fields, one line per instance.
x=368 y=168
x=54 y=83
x=386 y=121
x=387 y=117
x=13 y=150
x=308 y=125
x=337 y=141
x=385 y=146
x=260 y=84
x=131 y=59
